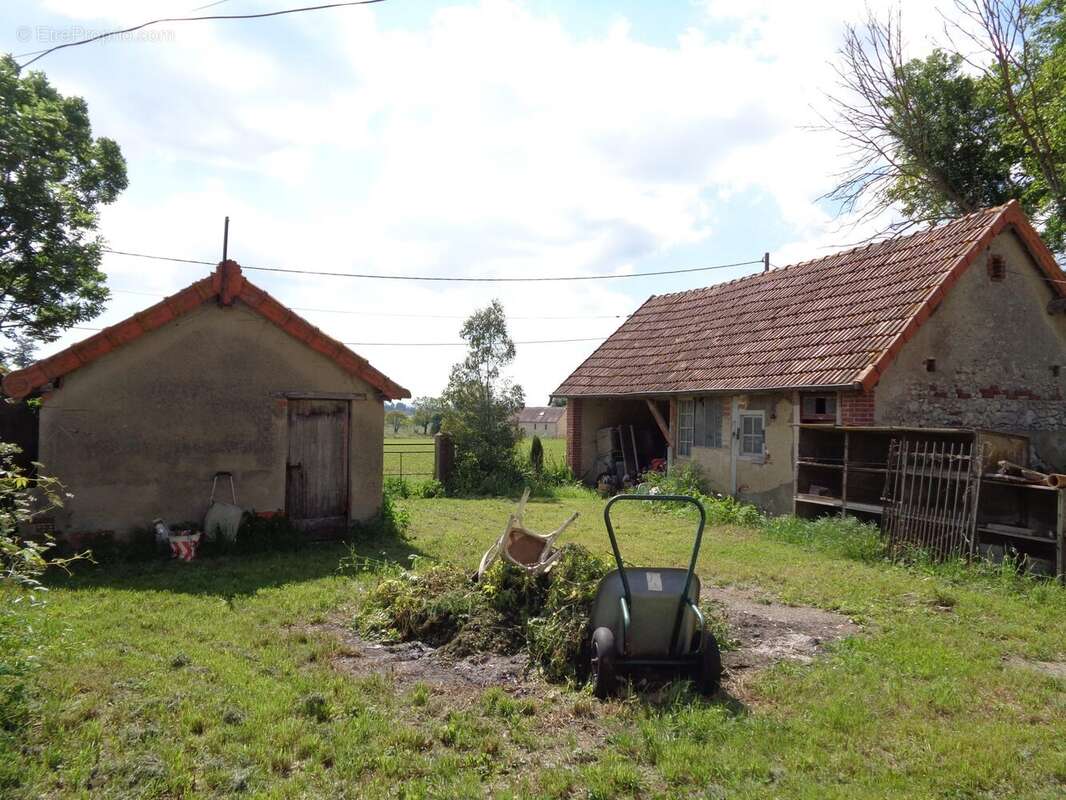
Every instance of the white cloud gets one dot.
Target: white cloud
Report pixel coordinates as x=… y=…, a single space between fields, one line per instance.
x=492 y=141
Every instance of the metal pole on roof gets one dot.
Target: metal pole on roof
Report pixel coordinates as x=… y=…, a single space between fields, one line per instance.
x=225 y=241
x=765 y=260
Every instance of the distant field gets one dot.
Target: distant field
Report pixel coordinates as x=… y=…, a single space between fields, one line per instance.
x=554 y=449
x=409 y=456
x=412 y=456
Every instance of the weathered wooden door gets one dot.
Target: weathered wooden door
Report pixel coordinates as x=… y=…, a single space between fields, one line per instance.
x=316 y=491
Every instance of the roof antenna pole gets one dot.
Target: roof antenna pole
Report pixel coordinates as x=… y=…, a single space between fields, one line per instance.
x=765 y=257
x=225 y=241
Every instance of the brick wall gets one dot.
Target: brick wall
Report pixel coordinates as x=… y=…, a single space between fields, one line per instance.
x=857 y=408
x=573 y=435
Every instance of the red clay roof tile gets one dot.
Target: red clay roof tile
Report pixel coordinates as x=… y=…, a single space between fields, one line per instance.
x=833 y=321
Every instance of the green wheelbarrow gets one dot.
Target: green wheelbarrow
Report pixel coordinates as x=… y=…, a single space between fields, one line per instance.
x=646 y=620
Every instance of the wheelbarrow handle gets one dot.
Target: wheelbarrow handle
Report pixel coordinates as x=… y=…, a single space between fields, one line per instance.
x=658 y=498
x=654 y=498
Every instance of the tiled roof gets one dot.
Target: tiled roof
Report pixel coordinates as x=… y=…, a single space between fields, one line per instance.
x=832 y=322
x=540 y=414
x=226 y=284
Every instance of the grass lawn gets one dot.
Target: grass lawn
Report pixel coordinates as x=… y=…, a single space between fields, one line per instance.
x=213 y=678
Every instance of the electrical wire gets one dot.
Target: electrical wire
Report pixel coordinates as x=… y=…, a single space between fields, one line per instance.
x=260 y=15
x=419 y=344
x=389 y=314
x=443 y=278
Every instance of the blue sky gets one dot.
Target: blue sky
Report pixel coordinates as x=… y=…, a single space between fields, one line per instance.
x=501 y=138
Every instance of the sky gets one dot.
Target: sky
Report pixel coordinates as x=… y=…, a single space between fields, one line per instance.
x=486 y=138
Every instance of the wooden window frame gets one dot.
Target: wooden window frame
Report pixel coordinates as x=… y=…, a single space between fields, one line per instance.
x=741 y=451
x=828 y=416
x=684 y=448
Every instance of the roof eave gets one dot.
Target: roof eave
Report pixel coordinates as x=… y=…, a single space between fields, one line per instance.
x=856 y=385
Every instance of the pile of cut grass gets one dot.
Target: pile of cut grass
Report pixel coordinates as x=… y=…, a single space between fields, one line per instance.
x=506 y=612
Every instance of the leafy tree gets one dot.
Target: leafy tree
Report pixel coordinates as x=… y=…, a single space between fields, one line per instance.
x=480 y=403
x=943 y=136
x=557 y=402
x=53 y=177
x=426 y=408
x=396 y=419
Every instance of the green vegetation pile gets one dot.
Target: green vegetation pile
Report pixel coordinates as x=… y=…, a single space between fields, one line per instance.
x=506 y=612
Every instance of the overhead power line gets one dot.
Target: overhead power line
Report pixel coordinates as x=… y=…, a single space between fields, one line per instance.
x=420 y=344
x=206 y=17
x=446 y=278
x=392 y=314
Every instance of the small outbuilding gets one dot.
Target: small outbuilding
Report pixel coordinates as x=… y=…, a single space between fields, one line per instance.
x=136 y=421
x=547 y=422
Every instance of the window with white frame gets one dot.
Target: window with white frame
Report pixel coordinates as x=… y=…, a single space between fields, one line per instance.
x=686 y=415
x=752 y=434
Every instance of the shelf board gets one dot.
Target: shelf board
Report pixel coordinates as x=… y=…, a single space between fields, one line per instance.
x=869 y=508
x=836 y=502
x=820 y=500
x=1020 y=485
x=1032 y=537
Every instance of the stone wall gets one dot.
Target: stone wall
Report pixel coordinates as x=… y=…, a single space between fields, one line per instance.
x=990 y=357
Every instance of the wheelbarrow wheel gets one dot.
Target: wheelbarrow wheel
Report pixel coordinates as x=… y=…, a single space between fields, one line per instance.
x=603 y=652
x=709 y=667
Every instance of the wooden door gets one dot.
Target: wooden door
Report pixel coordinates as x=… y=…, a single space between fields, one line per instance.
x=316 y=490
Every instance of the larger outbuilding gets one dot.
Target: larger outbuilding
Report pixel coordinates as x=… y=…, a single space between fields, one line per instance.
x=137 y=420
x=960 y=327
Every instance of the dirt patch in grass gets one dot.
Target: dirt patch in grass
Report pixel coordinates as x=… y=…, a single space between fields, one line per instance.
x=408 y=663
x=765 y=631
x=1053 y=669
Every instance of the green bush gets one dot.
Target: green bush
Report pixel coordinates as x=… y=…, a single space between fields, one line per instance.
x=397 y=487
x=392 y=520
x=429 y=489
x=536 y=455
x=681 y=479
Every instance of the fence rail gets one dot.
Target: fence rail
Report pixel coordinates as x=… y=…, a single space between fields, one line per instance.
x=409 y=459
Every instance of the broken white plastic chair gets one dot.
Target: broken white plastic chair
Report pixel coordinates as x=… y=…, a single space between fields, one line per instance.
x=533 y=552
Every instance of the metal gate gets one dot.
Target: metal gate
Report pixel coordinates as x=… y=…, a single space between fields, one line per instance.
x=930 y=498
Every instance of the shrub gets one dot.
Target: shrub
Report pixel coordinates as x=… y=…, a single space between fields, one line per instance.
x=536 y=455
x=23 y=560
x=396 y=486
x=430 y=488
x=392 y=520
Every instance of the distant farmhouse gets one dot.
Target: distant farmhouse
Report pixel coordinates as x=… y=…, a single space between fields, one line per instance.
x=547 y=422
x=759 y=380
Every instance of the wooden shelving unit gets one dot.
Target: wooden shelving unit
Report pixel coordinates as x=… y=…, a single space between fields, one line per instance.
x=842 y=470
